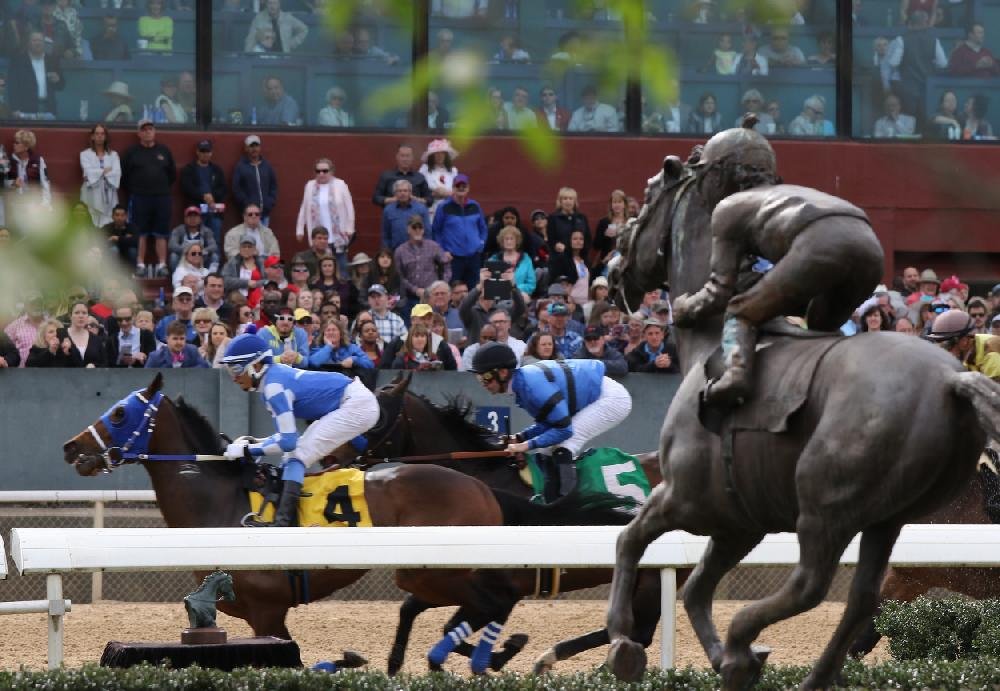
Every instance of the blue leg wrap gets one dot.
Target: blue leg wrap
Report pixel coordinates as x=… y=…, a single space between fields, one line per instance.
x=293 y=469
x=480 y=660
x=439 y=653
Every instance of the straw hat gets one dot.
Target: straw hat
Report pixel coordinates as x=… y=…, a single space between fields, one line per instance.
x=359 y=259
x=439 y=146
x=118 y=89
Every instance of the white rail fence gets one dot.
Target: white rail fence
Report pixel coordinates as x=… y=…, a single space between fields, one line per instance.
x=55 y=552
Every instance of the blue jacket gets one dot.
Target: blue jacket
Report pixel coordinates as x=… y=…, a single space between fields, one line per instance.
x=291 y=393
x=299 y=341
x=395 y=220
x=248 y=189
x=325 y=355
x=541 y=390
x=162 y=357
x=460 y=230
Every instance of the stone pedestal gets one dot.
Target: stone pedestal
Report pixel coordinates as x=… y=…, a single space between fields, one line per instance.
x=234 y=653
x=206 y=635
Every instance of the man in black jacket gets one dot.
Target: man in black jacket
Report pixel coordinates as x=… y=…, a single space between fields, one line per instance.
x=27 y=94
x=128 y=345
x=655 y=355
x=204 y=186
x=148 y=172
x=404 y=170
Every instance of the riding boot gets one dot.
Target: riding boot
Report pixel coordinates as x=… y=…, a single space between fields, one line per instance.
x=550 y=475
x=286 y=513
x=563 y=479
x=739 y=343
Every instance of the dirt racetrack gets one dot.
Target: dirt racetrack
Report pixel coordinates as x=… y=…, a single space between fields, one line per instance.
x=324 y=629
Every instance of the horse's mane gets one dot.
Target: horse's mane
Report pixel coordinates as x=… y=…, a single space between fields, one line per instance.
x=455 y=414
x=196 y=428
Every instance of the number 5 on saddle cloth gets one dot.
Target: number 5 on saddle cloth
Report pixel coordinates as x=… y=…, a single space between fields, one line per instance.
x=603 y=471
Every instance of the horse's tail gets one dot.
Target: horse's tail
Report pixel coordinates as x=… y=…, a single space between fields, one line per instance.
x=573 y=509
x=984 y=395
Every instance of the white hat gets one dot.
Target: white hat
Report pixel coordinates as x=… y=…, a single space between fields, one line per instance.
x=183 y=290
x=251 y=139
x=118 y=89
x=439 y=146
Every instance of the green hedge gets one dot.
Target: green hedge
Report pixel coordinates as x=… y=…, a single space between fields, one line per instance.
x=921 y=674
x=950 y=628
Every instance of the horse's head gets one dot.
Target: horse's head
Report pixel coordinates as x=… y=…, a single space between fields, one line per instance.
x=224 y=587
x=641 y=262
x=127 y=425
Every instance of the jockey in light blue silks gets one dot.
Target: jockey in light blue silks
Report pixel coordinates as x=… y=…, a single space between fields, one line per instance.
x=343 y=408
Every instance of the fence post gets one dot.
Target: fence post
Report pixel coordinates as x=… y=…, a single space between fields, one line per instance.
x=668 y=617
x=57 y=608
x=97 y=578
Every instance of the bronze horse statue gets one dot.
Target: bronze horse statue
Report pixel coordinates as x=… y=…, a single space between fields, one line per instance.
x=886 y=427
x=214 y=494
x=200 y=604
x=427 y=429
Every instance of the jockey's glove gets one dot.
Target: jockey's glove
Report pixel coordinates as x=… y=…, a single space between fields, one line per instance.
x=236 y=450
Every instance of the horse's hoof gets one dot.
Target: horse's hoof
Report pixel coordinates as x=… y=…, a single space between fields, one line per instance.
x=511 y=647
x=395 y=663
x=434 y=667
x=627 y=660
x=352 y=660
x=545 y=662
x=744 y=672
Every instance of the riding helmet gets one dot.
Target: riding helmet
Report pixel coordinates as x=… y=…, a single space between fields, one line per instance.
x=493 y=356
x=744 y=144
x=951 y=324
x=246 y=349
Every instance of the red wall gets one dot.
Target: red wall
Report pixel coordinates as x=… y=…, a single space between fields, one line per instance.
x=933 y=205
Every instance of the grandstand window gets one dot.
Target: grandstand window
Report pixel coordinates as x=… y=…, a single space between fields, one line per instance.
x=108 y=64
x=284 y=66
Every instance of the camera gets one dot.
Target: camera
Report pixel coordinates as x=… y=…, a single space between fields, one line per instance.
x=497 y=289
x=497 y=268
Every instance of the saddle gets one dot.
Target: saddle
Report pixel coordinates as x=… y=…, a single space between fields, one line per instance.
x=784 y=367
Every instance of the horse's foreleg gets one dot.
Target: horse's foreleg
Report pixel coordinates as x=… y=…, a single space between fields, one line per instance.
x=568 y=648
x=876 y=546
x=411 y=608
x=626 y=658
x=721 y=555
x=819 y=553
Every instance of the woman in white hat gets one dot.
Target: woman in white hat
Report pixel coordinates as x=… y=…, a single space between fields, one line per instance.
x=121 y=110
x=439 y=170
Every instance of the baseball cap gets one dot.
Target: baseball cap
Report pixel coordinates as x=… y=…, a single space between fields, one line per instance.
x=995 y=290
x=204 y=145
x=302 y=313
x=286 y=310
x=183 y=290
x=652 y=322
x=558 y=309
x=537 y=212
x=599 y=281
x=592 y=333
x=273 y=260
x=660 y=306
x=248 y=239
x=556 y=289
x=251 y=139
x=995 y=320
x=143 y=122
x=192 y=210
x=421 y=309
x=378 y=288
x=459 y=179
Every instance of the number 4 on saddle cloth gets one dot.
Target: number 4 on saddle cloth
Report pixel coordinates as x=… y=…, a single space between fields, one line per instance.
x=603 y=471
x=336 y=499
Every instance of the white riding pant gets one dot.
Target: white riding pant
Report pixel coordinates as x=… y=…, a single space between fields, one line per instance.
x=358 y=413
x=610 y=409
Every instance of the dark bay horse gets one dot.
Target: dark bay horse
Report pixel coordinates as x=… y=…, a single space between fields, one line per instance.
x=889 y=427
x=211 y=494
x=424 y=428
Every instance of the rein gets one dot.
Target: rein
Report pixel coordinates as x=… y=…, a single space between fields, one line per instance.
x=453 y=456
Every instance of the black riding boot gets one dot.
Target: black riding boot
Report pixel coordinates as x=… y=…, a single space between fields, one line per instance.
x=562 y=479
x=286 y=514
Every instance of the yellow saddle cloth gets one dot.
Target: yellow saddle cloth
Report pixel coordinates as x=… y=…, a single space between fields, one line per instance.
x=337 y=501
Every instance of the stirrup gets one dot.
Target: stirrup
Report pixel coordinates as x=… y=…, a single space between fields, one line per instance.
x=252 y=520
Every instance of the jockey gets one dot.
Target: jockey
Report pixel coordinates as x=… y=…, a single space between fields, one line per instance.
x=341 y=407
x=571 y=402
x=955 y=331
x=826 y=255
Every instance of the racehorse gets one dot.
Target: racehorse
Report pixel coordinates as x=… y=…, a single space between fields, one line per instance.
x=887 y=427
x=420 y=426
x=209 y=494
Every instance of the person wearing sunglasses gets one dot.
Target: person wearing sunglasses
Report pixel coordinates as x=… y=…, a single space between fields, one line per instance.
x=343 y=410
x=327 y=203
x=254 y=227
x=571 y=402
x=289 y=343
x=955 y=331
x=191 y=230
